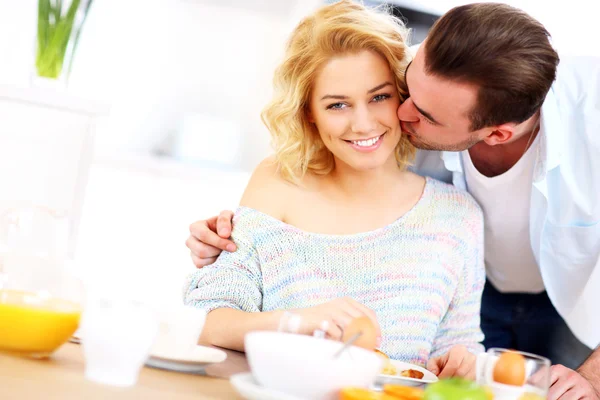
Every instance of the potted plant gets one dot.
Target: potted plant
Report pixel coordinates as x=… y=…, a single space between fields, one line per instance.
x=47 y=132
x=58 y=29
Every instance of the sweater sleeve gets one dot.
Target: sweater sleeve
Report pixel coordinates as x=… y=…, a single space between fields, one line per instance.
x=233 y=281
x=461 y=323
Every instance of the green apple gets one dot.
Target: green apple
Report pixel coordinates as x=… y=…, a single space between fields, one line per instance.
x=455 y=389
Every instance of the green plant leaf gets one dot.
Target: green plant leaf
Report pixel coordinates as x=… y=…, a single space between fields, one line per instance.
x=55 y=31
x=42 y=25
x=57 y=10
x=76 y=36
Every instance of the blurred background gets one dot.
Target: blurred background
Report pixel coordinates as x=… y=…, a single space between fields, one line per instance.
x=168 y=95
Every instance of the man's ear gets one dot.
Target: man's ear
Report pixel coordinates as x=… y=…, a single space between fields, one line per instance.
x=499 y=134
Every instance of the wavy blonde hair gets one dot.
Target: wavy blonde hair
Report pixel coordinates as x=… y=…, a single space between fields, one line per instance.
x=340 y=28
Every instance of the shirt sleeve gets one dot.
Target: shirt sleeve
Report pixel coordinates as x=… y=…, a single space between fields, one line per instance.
x=233 y=281
x=461 y=323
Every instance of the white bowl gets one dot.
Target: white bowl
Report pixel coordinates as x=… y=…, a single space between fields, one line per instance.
x=304 y=366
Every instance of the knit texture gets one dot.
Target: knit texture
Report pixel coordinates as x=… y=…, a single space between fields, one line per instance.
x=423 y=274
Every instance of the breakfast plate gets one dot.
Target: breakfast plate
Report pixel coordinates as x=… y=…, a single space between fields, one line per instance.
x=428 y=377
x=249 y=389
x=190 y=362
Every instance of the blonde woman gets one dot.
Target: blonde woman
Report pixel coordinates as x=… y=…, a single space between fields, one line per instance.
x=333 y=226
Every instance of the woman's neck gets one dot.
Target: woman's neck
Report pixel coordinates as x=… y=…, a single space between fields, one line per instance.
x=354 y=184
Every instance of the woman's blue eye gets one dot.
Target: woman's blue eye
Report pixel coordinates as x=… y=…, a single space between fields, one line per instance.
x=381 y=97
x=336 y=106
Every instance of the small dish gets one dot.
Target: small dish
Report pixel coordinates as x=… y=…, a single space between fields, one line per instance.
x=249 y=389
x=192 y=362
x=428 y=377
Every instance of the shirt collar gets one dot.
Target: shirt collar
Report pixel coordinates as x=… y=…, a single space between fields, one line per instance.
x=452 y=161
x=552 y=136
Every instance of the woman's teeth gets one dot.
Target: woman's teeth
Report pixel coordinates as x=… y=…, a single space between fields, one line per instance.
x=366 y=143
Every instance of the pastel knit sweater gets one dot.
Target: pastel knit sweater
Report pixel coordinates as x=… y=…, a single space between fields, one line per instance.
x=423 y=274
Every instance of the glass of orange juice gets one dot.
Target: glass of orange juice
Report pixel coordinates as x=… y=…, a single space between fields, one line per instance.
x=40 y=299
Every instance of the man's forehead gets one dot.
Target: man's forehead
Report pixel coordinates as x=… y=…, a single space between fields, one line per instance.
x=438 y=96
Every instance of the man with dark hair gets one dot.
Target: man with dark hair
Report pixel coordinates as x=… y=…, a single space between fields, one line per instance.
x=495 y=113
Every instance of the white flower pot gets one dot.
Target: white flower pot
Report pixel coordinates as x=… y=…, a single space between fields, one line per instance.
x=46 y=148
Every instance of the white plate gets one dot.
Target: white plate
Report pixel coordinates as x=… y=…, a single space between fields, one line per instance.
x=249 y=389
x=195 y=361
x=428 y=377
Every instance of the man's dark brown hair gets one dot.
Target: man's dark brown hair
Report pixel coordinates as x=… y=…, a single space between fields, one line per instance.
x=500 y=49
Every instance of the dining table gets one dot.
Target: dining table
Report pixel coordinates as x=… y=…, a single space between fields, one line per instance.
x=61 y=376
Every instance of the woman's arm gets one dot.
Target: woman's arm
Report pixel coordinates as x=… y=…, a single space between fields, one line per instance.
x=230 y=290
x=227 y=327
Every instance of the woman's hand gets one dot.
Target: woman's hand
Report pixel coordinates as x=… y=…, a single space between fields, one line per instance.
x=333 y=316
x=459 y=361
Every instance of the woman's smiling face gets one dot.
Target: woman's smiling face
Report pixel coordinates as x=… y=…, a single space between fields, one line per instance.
x=354 y=105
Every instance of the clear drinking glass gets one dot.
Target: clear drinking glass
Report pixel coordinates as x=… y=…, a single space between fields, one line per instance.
x=537 y=376
x=116 y=334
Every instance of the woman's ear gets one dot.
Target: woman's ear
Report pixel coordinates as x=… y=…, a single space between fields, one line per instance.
x=309 y=115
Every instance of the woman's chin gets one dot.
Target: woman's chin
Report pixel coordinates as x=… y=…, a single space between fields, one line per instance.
x=368 y=165
x=365 y=162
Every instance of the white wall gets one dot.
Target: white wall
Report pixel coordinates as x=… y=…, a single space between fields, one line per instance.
x=158 y=61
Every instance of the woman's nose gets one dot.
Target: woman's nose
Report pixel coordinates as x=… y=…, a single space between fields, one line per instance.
x=364 y=121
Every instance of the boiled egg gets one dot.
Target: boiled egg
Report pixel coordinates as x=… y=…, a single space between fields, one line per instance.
x=510 y=369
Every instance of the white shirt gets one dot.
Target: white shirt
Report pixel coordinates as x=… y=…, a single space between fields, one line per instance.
x=505 y=200
x=564 y=216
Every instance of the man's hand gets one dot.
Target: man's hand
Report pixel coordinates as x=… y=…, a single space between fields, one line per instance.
x=566 y=384
x=457 y=362
x=590 y=370
x=209 y=237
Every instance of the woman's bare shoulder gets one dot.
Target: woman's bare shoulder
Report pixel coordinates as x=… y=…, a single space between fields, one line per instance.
x=267 y=190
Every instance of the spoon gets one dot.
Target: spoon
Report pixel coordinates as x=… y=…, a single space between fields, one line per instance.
x=347 y=344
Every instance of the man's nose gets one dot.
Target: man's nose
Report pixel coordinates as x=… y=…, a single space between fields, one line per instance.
x=407 y=111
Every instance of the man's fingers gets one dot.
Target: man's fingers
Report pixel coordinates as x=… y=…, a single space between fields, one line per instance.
x=559 y=388
x=573 y=394
x=206 y=232
x=224 y=224
x=202 y=262
x=203 y=225
x=559 y=382
x=539 y=377
x=200 y=249
x=210 y=238
x=556 y=371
